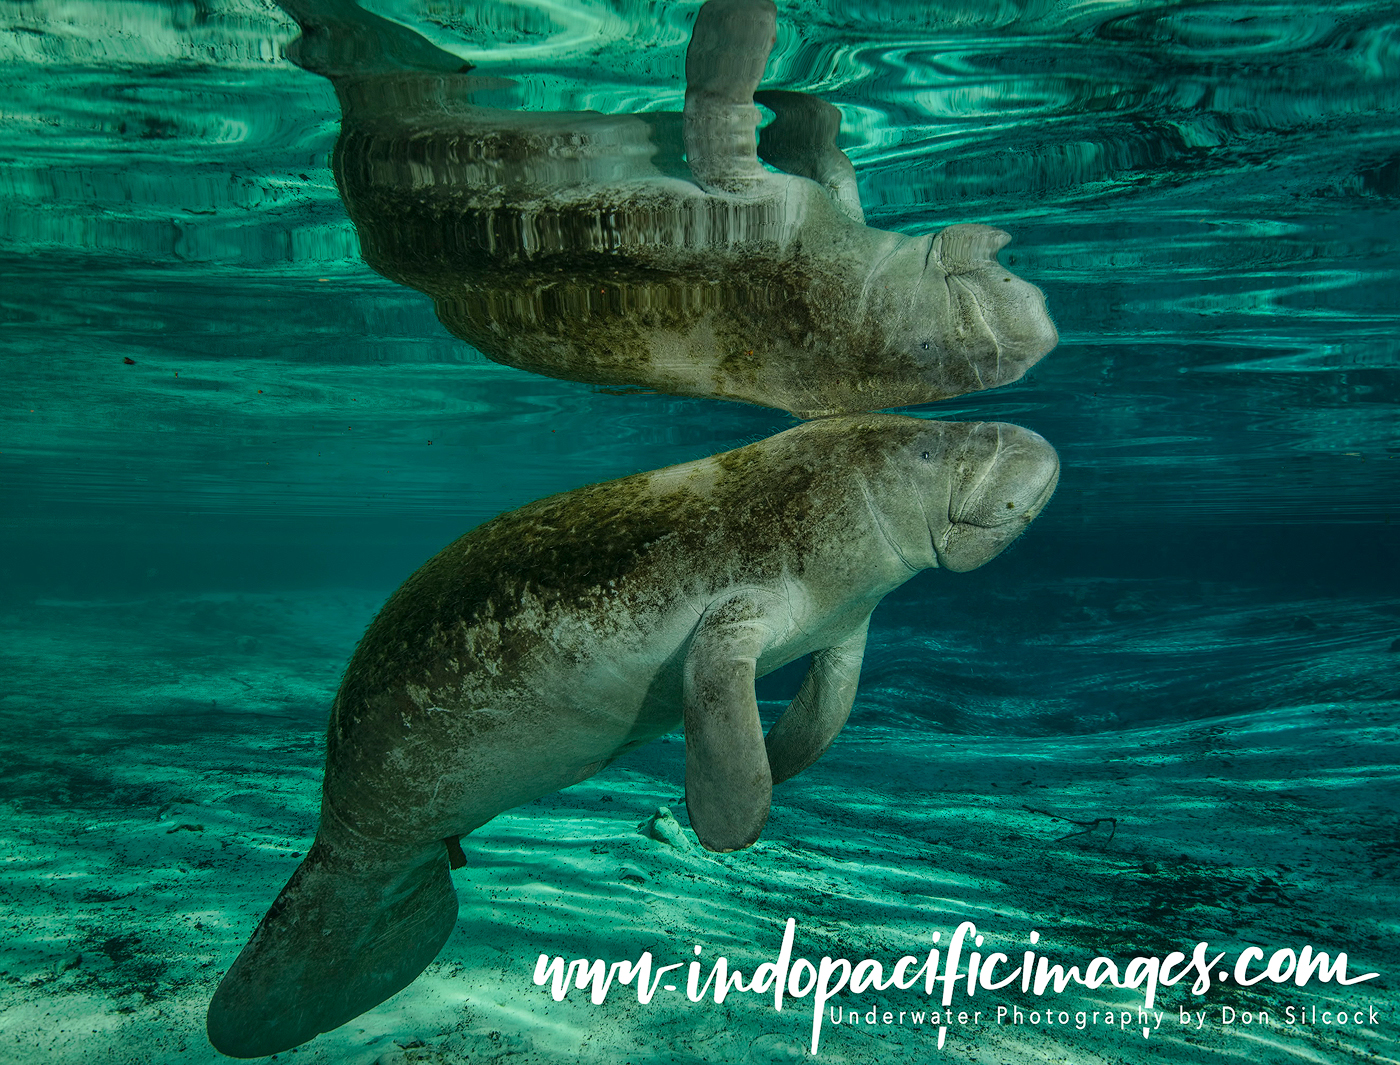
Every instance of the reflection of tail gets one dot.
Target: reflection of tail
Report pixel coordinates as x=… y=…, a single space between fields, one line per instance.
x=357 y=922
x=341 y=39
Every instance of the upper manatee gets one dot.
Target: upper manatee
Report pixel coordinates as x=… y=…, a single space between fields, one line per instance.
x=655 y=249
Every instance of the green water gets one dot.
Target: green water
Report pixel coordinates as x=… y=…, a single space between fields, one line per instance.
x=224 y=441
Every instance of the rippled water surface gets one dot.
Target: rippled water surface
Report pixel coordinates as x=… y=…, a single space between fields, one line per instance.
x=224 y=440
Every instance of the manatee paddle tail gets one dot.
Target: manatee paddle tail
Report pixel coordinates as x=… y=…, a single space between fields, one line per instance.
x=357 y=922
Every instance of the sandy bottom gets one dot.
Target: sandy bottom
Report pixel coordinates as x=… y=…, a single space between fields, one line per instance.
x=154 y=806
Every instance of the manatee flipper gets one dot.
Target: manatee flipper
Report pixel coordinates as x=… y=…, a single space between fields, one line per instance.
x=727 y=783
x=357 y=922
x=723 y=66
x=801 y=140
x=819 y=711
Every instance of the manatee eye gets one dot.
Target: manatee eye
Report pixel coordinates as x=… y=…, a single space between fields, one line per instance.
x=924 y=345
x=924 y=456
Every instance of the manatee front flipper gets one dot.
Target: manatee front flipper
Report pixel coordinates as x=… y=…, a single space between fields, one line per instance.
x=823 y=703
x=723 y=66
x=358 y=921
x=801 y=140
x=727 y=782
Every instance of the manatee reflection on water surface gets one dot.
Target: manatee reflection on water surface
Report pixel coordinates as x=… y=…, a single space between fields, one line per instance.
x=656 y=249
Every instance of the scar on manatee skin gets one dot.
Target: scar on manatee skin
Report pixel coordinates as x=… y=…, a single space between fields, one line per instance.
x=456 y=858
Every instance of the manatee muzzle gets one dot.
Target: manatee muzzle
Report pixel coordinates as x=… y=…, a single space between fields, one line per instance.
x=1001 y=481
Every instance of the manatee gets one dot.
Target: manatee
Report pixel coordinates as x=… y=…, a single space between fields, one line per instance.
x=539 y=647
x=656 y=250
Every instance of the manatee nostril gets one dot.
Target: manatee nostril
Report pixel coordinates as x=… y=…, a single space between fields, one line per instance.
x=995 y=496
x=1017 y=471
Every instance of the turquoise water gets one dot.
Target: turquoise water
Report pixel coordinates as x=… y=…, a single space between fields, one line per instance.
x=226 y=441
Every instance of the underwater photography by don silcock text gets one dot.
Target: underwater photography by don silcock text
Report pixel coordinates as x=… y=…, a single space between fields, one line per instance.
x=731 y=531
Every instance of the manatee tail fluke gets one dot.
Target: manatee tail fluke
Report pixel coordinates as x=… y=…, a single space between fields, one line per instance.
x=357 y=922
x=341 y=39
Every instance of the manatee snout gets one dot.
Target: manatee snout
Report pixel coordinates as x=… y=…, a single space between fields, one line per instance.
x=1001 y=481
x=980 y=325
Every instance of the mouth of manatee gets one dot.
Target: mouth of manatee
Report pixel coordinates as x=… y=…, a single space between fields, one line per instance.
x=1015 y=483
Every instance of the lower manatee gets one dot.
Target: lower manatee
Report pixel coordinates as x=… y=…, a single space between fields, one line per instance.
x=533 y=651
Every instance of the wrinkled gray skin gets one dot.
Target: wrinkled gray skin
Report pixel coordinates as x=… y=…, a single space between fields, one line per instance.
x=655 y=250
x=536 y=649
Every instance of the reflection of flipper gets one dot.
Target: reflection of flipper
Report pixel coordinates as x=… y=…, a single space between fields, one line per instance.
x=802 y=141
x=340 y=39
x=728 y=50
x=357 y=922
